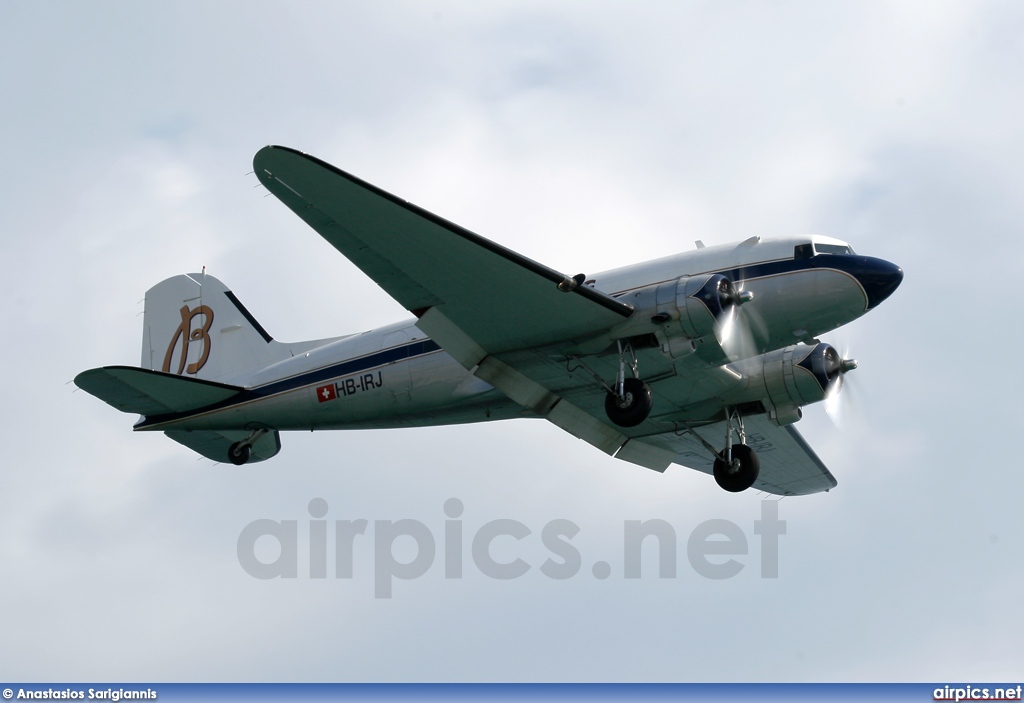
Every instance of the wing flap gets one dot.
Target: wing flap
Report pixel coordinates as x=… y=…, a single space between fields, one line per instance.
x=647 y=455
x=134 y=390
x=500 y=299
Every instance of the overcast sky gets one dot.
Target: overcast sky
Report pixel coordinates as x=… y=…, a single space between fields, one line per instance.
x=586 y=136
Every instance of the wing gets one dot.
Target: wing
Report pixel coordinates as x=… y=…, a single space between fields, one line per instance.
x=500 y=299
x=788 y=464
x=475 y=298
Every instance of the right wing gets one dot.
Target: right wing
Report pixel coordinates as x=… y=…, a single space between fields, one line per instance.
x=788 y=464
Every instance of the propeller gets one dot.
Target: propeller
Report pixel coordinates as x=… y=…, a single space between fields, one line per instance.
x=840 y=401
x=740 y=322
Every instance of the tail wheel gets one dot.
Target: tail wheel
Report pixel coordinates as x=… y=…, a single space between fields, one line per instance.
x=239 y=453
x=741 y=473
x=633 y=406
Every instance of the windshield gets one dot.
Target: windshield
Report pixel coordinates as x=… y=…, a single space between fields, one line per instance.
x=806 y=251
x=832 y=249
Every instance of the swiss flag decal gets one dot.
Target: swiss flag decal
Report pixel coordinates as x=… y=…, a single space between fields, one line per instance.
x=325 y=393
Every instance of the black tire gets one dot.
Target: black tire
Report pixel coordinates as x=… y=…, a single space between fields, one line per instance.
x=634 y=408
x=239 y=453
x=742 y=478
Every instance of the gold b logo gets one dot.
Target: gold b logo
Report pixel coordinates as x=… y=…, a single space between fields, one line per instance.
x=187 y=334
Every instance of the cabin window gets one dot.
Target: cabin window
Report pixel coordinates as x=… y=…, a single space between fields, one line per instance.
x=803 y=251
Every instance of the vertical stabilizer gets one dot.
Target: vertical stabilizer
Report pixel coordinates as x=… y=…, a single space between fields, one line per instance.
x=195 y=327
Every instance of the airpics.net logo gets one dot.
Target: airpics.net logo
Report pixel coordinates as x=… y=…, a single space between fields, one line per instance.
x=270 y=549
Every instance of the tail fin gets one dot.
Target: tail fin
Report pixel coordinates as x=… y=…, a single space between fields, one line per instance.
x=195 y=327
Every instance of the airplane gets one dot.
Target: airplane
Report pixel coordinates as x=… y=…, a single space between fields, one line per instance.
x=703 y=359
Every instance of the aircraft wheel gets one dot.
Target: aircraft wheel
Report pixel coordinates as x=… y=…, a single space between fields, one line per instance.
x=634 y=407
x=742 y=474
x=239 y=453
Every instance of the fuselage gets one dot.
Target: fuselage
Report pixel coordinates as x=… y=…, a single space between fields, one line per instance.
x=396 y=376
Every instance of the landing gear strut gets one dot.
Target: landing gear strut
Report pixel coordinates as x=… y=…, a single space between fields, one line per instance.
x=737 y=466
x=241 y=451
x=630 y=401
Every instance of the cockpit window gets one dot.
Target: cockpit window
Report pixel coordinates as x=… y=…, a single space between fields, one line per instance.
x=832 y=249
x=806 y=251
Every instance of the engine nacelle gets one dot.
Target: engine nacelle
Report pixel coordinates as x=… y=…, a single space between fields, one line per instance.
x=688 y=312
x=702 y=302
x=786 y=379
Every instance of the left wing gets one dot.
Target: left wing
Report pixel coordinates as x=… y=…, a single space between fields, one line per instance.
x=500 y=299
x=475 y=298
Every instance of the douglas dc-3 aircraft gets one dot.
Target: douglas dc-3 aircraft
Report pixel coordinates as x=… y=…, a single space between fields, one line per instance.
x=663 y=362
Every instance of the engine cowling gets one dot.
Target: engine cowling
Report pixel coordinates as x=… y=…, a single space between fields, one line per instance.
x=703 y=302
x=688 y=312
x=794 y=376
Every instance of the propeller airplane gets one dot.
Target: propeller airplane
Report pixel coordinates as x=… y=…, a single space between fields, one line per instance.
x=702 y=359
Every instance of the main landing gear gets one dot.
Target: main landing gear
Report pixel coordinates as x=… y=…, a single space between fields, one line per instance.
x=738 y=470
x=629 y=402
x=240 y=452
x=631 y=405
x=737 y=466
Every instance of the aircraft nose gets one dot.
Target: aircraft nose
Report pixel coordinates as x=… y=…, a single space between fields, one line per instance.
x=878 y=277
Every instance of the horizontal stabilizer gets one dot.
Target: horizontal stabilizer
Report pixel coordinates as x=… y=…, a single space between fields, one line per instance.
x=215 y=445
x=135 y=390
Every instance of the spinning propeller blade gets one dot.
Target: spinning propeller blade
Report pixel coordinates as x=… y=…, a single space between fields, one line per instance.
x=739 y=325
x=840 y=401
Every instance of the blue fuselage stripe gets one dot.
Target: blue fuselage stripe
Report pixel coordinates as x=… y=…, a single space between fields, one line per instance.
x=310 y=378
x=347 y=367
